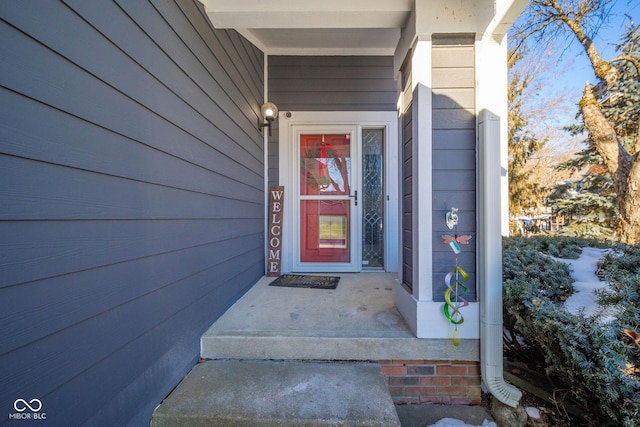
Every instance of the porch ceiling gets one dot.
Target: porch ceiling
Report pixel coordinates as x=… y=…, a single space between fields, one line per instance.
x=311 y=27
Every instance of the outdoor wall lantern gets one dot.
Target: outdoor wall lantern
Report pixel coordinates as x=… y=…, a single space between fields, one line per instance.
x=269 y=112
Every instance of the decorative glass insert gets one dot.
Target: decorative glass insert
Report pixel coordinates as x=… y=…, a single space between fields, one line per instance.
x=373 y=198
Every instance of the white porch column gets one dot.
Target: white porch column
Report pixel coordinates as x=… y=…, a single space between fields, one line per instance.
x=417 y=305
x=491 y=74
x=422 y=128
x=422 y=313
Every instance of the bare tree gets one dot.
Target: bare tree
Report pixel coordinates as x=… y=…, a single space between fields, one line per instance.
x=538 y=141
x=552 y=19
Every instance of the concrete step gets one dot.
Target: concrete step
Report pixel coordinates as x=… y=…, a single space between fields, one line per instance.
x=265 y=393
x=356 y=321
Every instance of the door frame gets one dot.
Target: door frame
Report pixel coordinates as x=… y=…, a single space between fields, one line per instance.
x=290 y=124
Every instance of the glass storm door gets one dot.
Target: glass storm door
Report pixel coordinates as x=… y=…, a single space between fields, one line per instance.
x=328 y=202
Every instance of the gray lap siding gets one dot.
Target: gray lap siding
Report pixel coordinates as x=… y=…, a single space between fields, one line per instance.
x=131 y=199
x=328 y=83
x=454 y=155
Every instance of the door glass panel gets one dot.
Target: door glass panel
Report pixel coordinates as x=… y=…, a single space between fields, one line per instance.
x=325 y=162
x=333 y=231
x=373 y=198
x=325 y=205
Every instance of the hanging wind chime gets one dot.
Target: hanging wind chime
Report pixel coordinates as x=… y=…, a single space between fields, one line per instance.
x=454 y=280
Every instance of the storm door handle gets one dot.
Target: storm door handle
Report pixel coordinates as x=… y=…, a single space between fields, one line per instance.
x=354 y=197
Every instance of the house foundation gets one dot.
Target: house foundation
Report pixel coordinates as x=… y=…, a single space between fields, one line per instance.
x=433 y=381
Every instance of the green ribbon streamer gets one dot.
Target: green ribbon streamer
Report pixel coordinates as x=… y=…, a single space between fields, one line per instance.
x=452 y=306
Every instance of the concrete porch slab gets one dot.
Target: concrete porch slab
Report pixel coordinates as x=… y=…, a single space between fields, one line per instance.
x=356 y=321
x=279 y=393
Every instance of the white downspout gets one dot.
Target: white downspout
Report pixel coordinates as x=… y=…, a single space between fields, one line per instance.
x=490 y=260
x=491 y=196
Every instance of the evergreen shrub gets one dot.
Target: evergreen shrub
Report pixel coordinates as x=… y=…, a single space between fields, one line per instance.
x=595 y=361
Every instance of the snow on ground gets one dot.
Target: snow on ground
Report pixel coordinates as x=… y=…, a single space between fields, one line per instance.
x=585 y=282
x=452 y=422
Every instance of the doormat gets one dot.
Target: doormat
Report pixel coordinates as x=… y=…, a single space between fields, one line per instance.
x=312 y=282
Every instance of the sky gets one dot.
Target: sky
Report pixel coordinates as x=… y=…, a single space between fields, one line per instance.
x=605 y=41
x=570 y=68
